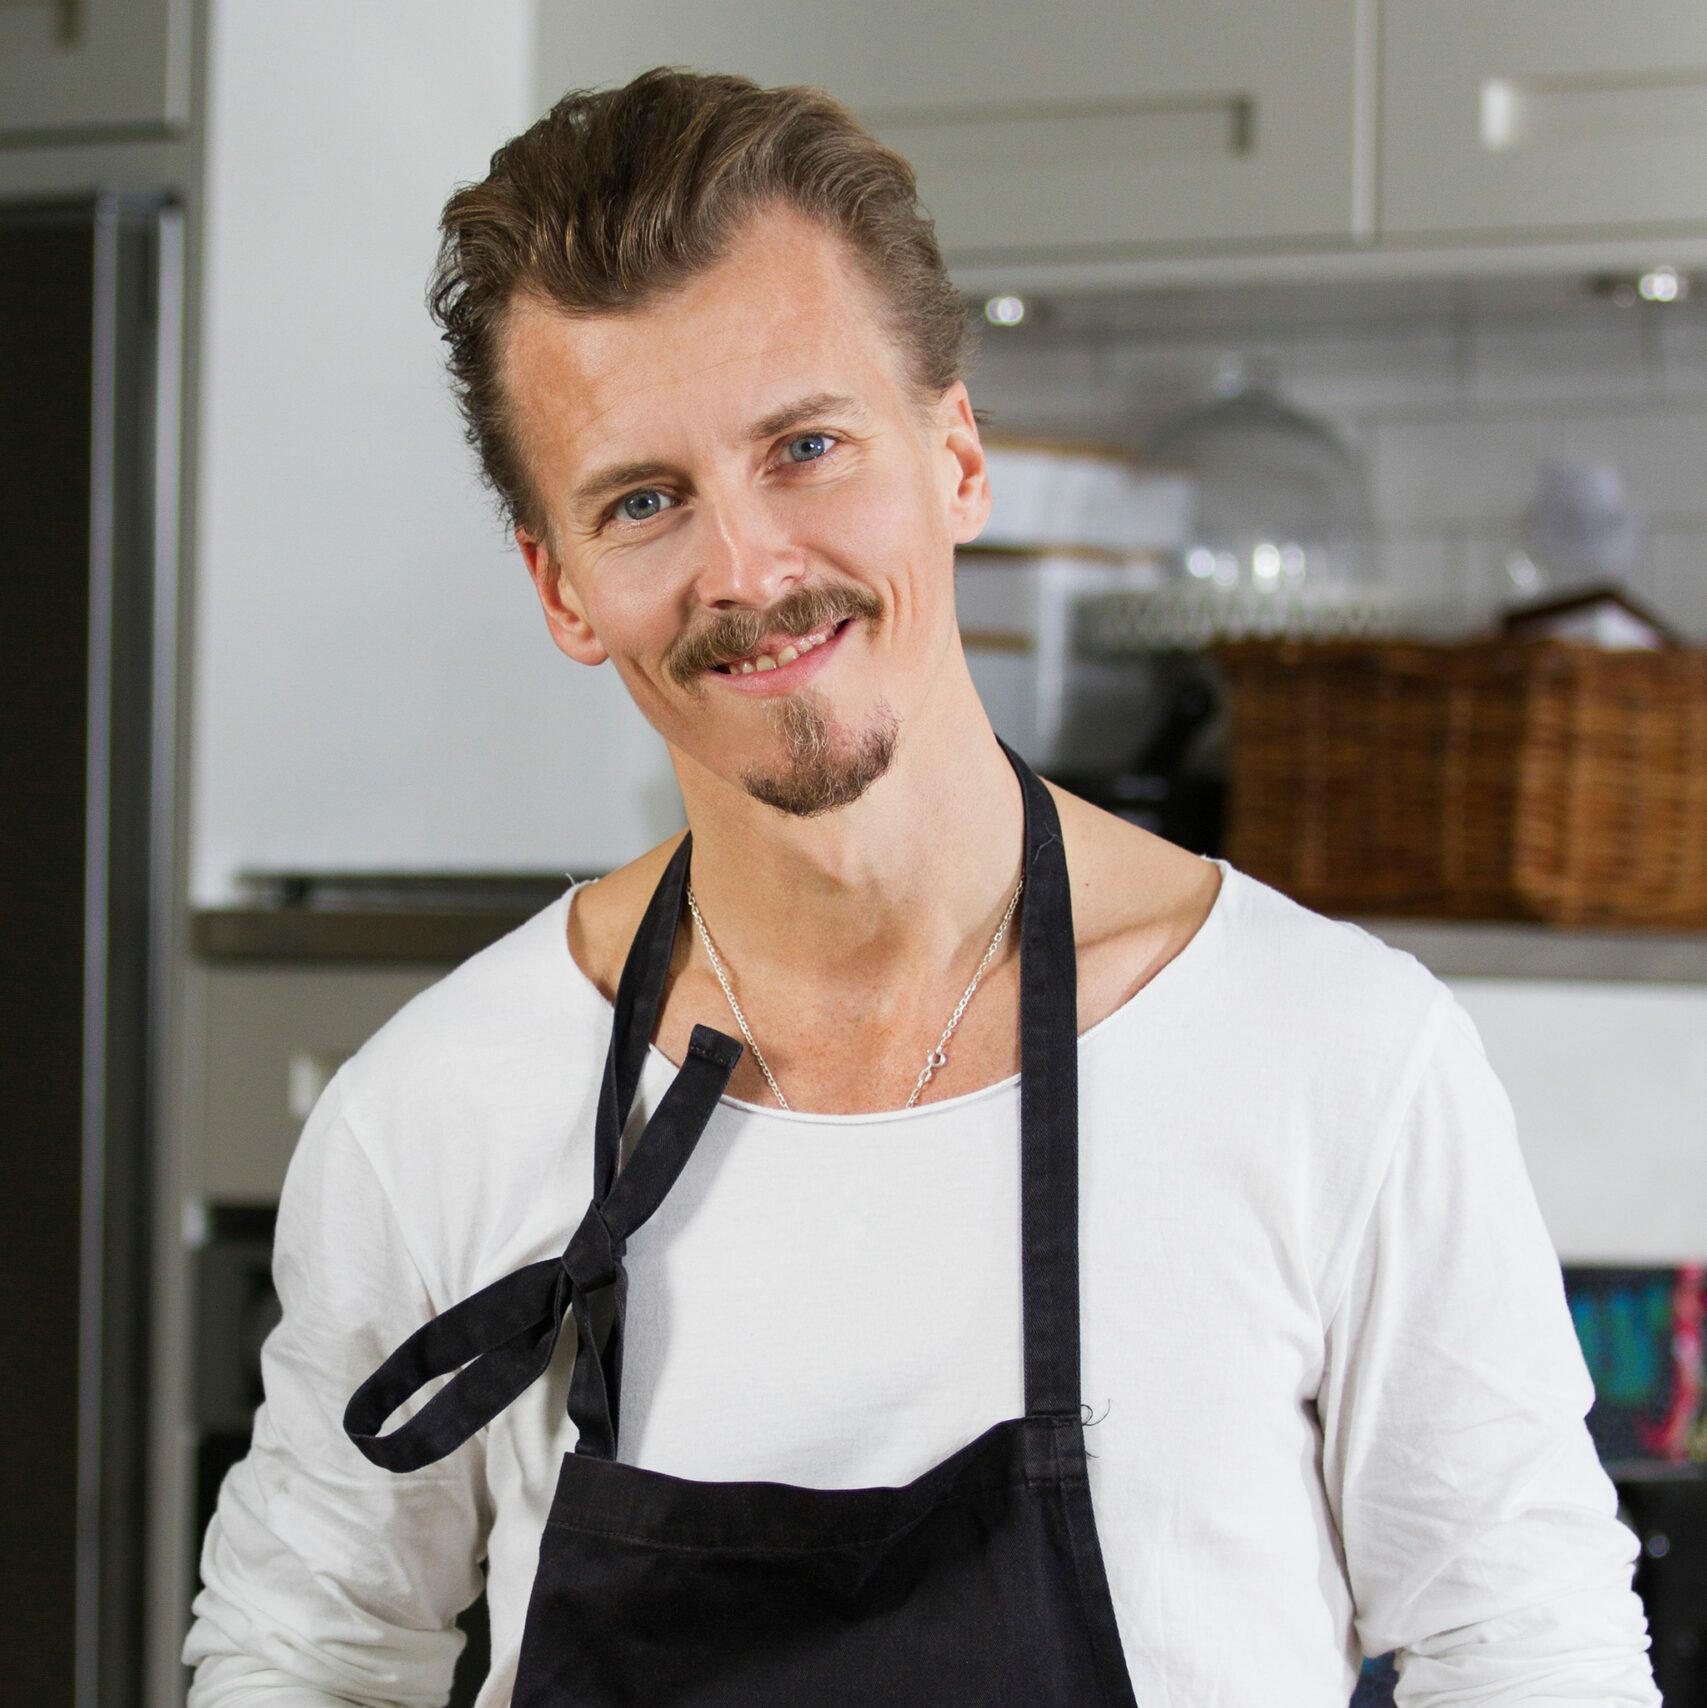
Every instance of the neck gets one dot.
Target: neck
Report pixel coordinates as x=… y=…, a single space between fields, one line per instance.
x=880 y=897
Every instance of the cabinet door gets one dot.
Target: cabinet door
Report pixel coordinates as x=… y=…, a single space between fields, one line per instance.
x=272 y=1039
x=1113 y=126
x=1534 y=117
x=94 y=65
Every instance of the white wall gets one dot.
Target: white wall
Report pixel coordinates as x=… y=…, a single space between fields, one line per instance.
x=375 y=685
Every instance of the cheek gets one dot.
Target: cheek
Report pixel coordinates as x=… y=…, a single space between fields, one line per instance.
x=630 y=618
x=885 y=525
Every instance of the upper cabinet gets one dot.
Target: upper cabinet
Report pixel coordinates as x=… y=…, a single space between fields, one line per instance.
x=1534 y=118
x=72 y=67
x=1111 y=127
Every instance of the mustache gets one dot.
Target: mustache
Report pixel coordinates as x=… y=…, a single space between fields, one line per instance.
x=734 y=634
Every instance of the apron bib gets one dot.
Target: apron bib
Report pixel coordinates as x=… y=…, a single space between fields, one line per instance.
x=979 y=1583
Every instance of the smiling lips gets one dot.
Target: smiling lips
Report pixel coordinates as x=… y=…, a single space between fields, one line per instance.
x=776 y=652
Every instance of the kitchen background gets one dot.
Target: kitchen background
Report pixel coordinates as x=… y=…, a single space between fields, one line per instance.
x=1468 y=236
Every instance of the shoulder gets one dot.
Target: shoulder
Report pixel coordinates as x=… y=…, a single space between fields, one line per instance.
x=473 y=1105
x=1274 y=978
x=474 y=1090
x=1325 y=1018
x=1358 y=1010
x=602 y=923
x=509 y=992
x=1152 y=901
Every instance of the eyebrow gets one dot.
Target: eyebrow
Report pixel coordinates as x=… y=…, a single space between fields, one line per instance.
x=619 y=476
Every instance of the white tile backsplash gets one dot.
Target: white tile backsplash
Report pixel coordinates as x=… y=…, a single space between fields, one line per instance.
x=1660 y=449
x=1453 y=414
x=1431 y=568
x=1682 y=345
x=1569 y=360
x=1680 y=577
x=1452 y=468
x=1159 y=379
x=1352 y=375
x=1049 y=388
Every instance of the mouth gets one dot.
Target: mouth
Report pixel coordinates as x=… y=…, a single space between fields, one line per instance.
x=784 y=662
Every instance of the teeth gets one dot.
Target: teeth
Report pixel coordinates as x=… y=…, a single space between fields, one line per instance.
x=786 y=656
x=765 y=661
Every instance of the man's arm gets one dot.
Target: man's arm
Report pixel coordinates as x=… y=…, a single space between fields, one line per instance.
x=326 y=1579
x=1480 y=1531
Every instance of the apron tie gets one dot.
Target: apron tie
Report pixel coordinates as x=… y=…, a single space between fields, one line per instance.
x=501 y=1338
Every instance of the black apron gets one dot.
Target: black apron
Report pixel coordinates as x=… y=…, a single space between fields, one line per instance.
x=980 y=1582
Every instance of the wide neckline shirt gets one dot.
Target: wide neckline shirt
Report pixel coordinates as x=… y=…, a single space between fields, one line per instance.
x=1335 y=1401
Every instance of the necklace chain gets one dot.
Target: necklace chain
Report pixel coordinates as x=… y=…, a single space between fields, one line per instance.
x=934 y=1059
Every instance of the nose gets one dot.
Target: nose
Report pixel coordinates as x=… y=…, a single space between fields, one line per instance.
x=745 y=555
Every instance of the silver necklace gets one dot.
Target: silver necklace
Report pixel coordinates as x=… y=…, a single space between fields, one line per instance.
x=936 y=1058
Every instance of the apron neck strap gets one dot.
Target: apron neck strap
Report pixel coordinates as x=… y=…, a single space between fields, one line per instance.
x=1048 y=1108
x=639 y=994
x=1049 y=1104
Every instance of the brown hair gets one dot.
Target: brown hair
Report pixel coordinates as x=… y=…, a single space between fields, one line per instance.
x=616 y=196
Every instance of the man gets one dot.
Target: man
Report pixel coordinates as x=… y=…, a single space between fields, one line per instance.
x=706 y=348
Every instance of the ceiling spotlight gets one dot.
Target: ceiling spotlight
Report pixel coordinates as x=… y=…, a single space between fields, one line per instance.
x=1662 y=284
x=1005 y=311
x=1654 y=284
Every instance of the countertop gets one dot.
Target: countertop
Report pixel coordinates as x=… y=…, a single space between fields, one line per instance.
x=418 y=920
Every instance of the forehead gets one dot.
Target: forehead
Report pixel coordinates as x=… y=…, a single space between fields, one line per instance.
x=784 y=313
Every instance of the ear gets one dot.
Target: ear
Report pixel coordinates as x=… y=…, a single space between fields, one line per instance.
x=563 y=614
x=969 y=495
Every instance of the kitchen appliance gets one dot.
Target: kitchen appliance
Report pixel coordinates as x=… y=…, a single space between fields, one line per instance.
x=1059 y=709
x=89 y=310
x=1048 y=495
x=1172 y=781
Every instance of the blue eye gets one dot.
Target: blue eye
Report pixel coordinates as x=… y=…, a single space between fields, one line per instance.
x=822 y=439
x=645 y=492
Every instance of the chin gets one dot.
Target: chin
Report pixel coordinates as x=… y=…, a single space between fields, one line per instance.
x=824 y=766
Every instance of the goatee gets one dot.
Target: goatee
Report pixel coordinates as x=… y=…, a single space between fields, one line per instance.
x=822 y=771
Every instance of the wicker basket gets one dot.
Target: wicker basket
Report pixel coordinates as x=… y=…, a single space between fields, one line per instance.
x=1495 y=779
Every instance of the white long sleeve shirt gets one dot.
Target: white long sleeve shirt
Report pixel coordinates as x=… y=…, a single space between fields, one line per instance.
x=1339 y=1402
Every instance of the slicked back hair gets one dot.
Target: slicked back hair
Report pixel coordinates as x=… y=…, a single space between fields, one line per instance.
x=614 y=197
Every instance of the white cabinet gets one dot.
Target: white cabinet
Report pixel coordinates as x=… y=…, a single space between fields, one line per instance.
x=1113 y=126
x=1530 y=118
x=76 y=66
x=269 y=1040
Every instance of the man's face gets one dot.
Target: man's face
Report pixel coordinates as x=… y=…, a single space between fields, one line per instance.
x=736 y=468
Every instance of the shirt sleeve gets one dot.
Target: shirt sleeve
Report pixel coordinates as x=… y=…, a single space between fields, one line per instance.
x=1481 y=1535
x=327 y=1580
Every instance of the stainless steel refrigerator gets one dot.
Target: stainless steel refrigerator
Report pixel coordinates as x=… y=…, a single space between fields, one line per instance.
x=89 y=316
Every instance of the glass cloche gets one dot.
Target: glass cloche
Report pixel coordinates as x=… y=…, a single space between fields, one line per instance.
x=1282 y=500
